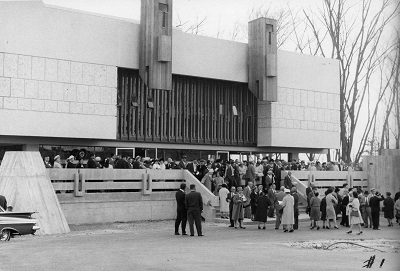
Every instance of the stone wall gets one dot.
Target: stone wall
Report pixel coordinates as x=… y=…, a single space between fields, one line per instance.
x=42 y=93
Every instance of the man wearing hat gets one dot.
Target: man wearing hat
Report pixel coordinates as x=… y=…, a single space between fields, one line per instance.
x=194 y=206
x=288 y=211
x=57 y=162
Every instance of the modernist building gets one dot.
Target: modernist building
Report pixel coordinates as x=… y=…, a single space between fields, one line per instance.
x=73 y=80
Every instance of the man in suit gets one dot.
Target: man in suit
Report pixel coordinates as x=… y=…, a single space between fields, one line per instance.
x=279 y=197
x=296 y=207
x=181 y=212
x=193 y=168
x=250 y=173
x=366 y=213
x=194 y=205
x=287 y=182
x=3 y=202
x=91 y=163
x=246 y=193
x=183 y=164
x=375 y=203
x=345 y=202
x=229 y=199
x=230 y=175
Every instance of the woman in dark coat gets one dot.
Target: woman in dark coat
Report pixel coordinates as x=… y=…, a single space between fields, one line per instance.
x=263 y=203
x=323 y=210
x=315 y=213
x=388 y=205
x=253 y=201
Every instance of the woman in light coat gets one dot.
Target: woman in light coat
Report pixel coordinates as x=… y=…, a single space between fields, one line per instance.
x=355 y=214
x=223 y=204
x=288 y=211
x=331 y=201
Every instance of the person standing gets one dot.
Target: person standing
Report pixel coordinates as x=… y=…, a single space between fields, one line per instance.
x=375 y=203
x=194 y=205
x=388 y=207
x=345 y=202
x=230 y=175
x=253 y=201
x=278 y=207
x=47 y=162
x=91 y=163
x=246 y=193
x=250 y=173
x=288 y=181
x=181 y=212
x=288 y=211
x=223 y=203
x=238 y=211
x=3 y=202
x=367 y=216
x=355 y=214
x=315 y=212
x=57 y=162
x=295 y=207
x=263 y=203
x=229 y=199
x=70 y=161
x=331 y=201
x=208 y=179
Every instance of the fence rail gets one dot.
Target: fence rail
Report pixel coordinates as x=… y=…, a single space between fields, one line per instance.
x=83 y=181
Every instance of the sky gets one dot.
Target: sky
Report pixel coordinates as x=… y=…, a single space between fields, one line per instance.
x=221 y=15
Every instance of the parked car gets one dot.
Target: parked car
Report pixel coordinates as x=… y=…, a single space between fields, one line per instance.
x=16 y=223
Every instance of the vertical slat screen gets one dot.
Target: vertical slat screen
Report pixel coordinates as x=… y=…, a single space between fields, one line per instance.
x=189 y=113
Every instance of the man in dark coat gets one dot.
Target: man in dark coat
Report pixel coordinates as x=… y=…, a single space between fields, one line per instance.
x=91 y=163
x=374 y=202
x=230 y=175
x=295 y=207
x=183 y=163
x=121 y=163
x=194 y=205
x=287 y=183
x=193 y=168
x=3 y=202
x=229 y=199
x=345 y=202
x=181 y=212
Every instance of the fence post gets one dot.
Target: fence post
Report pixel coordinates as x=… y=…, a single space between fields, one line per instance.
x=145 y=191
x=79 y=180
x=310 y=179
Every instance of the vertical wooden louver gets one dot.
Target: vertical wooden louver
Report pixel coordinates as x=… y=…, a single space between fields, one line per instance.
x=195 y=111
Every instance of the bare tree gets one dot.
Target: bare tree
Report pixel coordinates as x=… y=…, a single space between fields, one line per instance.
x=353 y=35
x=393 y=100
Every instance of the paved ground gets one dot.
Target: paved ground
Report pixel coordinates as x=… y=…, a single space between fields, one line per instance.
x=152 y=246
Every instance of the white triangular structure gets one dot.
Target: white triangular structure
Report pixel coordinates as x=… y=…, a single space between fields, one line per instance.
x=27 y=187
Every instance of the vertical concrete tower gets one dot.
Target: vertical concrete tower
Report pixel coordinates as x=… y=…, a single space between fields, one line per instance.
x=263 y=59
x=155 y=60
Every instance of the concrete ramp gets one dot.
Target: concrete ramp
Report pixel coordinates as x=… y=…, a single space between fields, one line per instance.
x=27 y=187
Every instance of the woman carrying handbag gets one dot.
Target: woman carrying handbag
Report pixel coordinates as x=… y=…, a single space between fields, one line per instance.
x=355 y=214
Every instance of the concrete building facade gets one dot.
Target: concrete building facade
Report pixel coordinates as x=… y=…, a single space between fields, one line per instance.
x=60 y=83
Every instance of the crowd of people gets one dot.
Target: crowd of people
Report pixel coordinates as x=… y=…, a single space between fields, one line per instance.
x=357 y=208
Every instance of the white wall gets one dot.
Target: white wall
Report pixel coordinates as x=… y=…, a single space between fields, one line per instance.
x=307 y=111
x=30 y=33
x=57 y=98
